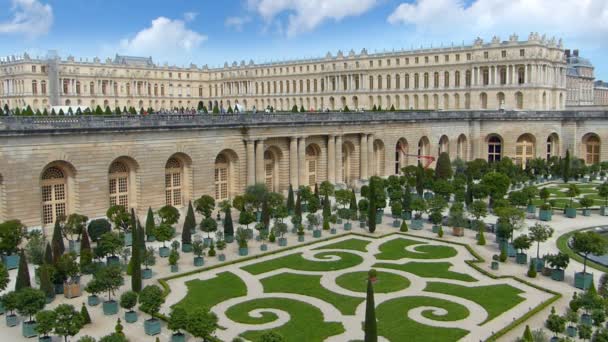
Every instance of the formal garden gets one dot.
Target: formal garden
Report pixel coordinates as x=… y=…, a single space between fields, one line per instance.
x=447 y=247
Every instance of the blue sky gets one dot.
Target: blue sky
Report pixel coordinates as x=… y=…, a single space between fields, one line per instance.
x=213 y=32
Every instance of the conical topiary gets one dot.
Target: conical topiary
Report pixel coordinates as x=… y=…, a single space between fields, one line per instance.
x=141 y=236
x=298 y=208
x=353 y=201
x=84 y=313
x=189 y=225
x=326 y=207
x=371 y=333
x=371 y=222
x=528 y=335
x=136 y=282
x=45 y=281
x=481 y=240
x=86 y=253
x=290 y=200
x=150 y=224
x=48 y=254
x=228 y=225
x=57 y=242
x=404 y=227
x=23 y=274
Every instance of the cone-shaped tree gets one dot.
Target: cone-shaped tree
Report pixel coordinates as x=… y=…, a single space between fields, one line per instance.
x=48 y=254
x=150 y=223
x=189 y=225
x=45 y=281
x=566 y=167
x=326 y=207
x=298 y=208
x=141 y=236
x=290 y=200
x=528 y=335
x=302 y=110
x=135 y=256
x=371 y=332
x=84 y=313
x=317 y=192
x=57 y=242
x=228 y=225
x=372 y=208
x=86 y=253
x=481 y=240
x=353 y=201
x=403 y=227
x=23 y=274
x=444 y=166
x=265 y=214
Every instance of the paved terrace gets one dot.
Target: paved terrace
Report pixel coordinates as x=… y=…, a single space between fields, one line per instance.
x=20 y=125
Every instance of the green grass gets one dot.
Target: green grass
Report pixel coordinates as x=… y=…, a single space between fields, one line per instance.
x=496 y=299
x=297 y=262
x=350 y=244
x=562 y=245
x=310 y=285
x=395 y=250
x=385 y=283
x=395 y=325
x=428 y=270
x=207 y=293
x=306 y=321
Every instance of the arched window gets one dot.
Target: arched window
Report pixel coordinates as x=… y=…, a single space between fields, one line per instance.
x=379 y=81
x=519 y=100
x=347 y=151
x=426 y=80
x=311 y=164
x=401 y=151
x=119 y=184
x=424 y=147
x=371 y=83
x=221 y=178
x=173 y=182
x=407 y=81
x=34 y=87
x=54 y=195
x=397 y=81
x=467 y=78
x=461 y=147
x=494 y=149
x=436 y=80
x=457 y=79
x=483 y=99
x=446 y=79
x=388 y=81
x=592 y=149
x=444 y=145
x=521 y=75
x=552 y=146
x=416 y=81
x=524 y=150
x=379 y=158
x=269 y=171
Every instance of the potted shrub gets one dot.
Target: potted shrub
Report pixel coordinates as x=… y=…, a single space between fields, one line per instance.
x=456 y=219
x=363 y=212
x=11 y=235
x=602 y=191
x=198 y=248
x=128 y=300
x=169 y=216
x=313 y=223
x=9 y=302
x=418 y=207
x=300 y=233
x=586 y=243
x=241 y=239
x=68 y=267
x=173 y=259
x=396 y=211
x=29 y=301
x=150 y=300
x=119 y=215
x=110 y=279
x=572 y=192
x=545 y=213
x=280 y=228
x=109 y=245
x=437 y=204
x=522 y=243
x=72 y=231
x=556 y=324
x=539 y=233
x=586 y=203
x=93 y=288
x=187 y=229
x=97 y=228
x=148 y=259
x=572 y=318
x=178 y=320
x=68 y=321
x=531 y=192
x=558 y=262
x=164 y=233
x=344 y=214
x=221 y=245
x=211 y=251
x=46 y=320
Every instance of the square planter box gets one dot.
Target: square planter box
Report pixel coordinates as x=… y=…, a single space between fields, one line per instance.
x=339 y=221
x=540 y=263
x=316 y=233
x=571 y=331
x=531 y=209
x=586 y=212
x=416 y=224
x=11 y=320
x=128 y=239
x=282 y=242
x=110 y=307
x=58 y=288
x=11 y=261
x=332 y=231
x=207 y=241
x=199 y=261
x=130 y=316
x=28 y=329
x=406 y=215
x=494 y=265
x=396 y=223
x=74 y=246
x=362 y=224
x=583 y=280
x=93 y=300
x=428 y=195
x=571 y=212
x=45 y=339
x=457 y=231
x=151 y=238
x=379 y=217
x=146 y=273
x=545 y=215
x=521 y=258
x=152 y=326
x=586 y=319
x=348 y=226
x=229 y=238
x=547 y=271
x=243 y=251
x=174 y=268
x=178 y=337
x=72 y=290
x=435 y=229
x=221 y=257
x=511 y=251
x=263 y=247
x=604 y=211
x=300 y=238
x=164 y=252
x=186 y=247
x=557 y=274
x=112 y=260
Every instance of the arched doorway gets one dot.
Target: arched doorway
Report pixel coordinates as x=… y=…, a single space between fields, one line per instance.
x=444 y=145
x=494 y=148
x=222 y=177
x=461 y=148
x=54 y=190
x=591 y=148
x=312 y=163
x=348 y=150
x=525 y=148
x=379 y=157
x=401 y=152
x=552 y=145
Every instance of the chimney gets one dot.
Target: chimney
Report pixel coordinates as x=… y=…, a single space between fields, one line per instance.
x=567 y=53
x=575 y=52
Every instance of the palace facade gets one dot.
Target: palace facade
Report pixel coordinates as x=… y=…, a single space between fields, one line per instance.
x=51 y=166
x=511 y=75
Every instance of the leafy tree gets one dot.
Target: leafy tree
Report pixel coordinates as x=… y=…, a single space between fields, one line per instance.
x=496 y=183
x=371 y=333
x=108 y=279
x=272 y=336
x=584 y=331
x=69 y=321
x=246 y=217
x=110 y=244
x=150 y=299
x=23 y=274
x=602 y=191
x=29 y=301
x=164 y=233
x=11 y=235
x=522 y=243
x=443 y=170
x=97 y=228
x=86 y=253
x=589 y=242
x=128 y=300
x=34 y=249
x=149 y=257
x=150 y=225
x=202 y=323
x=204 y=205
x=189 y=225
x=540 y=233
x=168 y=215
x=208 y=225
x=46 y=320
x=178 y=320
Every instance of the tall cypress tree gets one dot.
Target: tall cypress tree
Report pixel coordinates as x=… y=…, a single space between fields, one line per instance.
x=84 y=313
x=228 y=226
x=317 y=192
x=265 y=214
x=23 y=274
x=326 y=207
x=141 y=236
x=566 y=167
x=290 y=201
x=45 y=281
x=371 y=332
x=48 y=254
x=443 y=169
x=298 y=208
x=57 y=242
x=353 y=201
x=135 y=255
x=150 y=224
x=189 y=225
x=86 y=254
x=372 y=207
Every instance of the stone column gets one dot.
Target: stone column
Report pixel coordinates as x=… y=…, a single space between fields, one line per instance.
x=259 y=161
x=371 y=165
x=302 y=160
x=250 y=161
x=338 y=160
x=331 y=158
x=293 y=162
x=363 y=159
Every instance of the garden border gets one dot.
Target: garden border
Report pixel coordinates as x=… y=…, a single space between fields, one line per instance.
x=562 y=245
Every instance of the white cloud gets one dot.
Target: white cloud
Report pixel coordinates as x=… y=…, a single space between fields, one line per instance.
x=237 y=23
x=30 y=18
x=190 y=16
x=575 y=20
x=306 y=15
x=164 y=37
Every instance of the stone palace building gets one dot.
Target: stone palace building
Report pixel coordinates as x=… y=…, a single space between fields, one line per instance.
x=512 y=75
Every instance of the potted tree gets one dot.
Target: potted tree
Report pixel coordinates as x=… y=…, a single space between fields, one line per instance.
x=585 y=243
x=72 y=231
x=9 y=302
x=29 y=301
x=572 y=192
x=68 y=321
x=280 y=228
x=363 y=212
x=174 y=258
x=545 y=213
x=313 y=223
x=198 y=248
x=128 y=300
x=572 y=318
x=119 y=215
x=148 y=259
x=539 y=233
x=169 y=215
x=202 y=323
x=178 y=320
x=555 y=324
x=242 y=238
x=221 y=245
x=109 y=245
x=208 y=225
x=110 y=279
x=522 y=243
x=456 y=219
x=164 y=233
x=396 y=211
x=11 y=235
x=68 y=266
x=586 y=203
x=150 y=226
x=246 y=217
x=93 y=288
x=602 y=191
x=531 y=192
x=558 y=263
x=150 y=300
x=46 y=320
x=188 y=228
x=97 y=228
x=437 y=204
x=418 y=207
x=343 y=198
x=300 y=232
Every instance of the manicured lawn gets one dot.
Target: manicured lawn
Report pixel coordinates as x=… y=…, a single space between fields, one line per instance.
x=395 y=325
x=207 y=293
x=562 y=245
x=297 y=262
x=395 y=250
x=496 y=299
x=310 y=285
x=385 y=282
x=306 y=321
x=428 y=270
x=350 y=244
